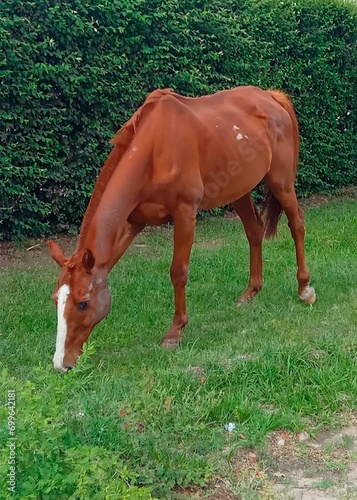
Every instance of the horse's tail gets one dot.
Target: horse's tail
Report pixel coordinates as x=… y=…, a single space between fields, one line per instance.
x=272 y=209
x=270 y=213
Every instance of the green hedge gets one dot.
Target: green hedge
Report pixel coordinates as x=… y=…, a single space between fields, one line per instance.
x=73 y=71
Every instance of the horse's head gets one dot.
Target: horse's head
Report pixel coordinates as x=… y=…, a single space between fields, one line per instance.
x=82 y=298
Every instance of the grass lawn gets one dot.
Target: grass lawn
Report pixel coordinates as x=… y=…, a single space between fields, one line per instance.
x=161 y=415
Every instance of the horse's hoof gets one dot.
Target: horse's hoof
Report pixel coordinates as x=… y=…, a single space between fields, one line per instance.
x=170 y=343
x=243 y=302
x=308 y=295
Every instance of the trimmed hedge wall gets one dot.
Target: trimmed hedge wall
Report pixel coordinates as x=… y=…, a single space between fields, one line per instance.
x=71 y=72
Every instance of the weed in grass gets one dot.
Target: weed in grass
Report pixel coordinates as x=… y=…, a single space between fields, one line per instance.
x=324 y=485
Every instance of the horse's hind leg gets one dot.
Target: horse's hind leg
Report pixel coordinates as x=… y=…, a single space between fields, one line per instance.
x=286 y=196
x=253 y=227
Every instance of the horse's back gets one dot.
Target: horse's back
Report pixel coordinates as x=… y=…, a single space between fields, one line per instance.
x=221 y=145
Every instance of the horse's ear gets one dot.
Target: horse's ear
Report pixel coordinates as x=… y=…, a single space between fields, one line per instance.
x=56 y=252
x=88 y=260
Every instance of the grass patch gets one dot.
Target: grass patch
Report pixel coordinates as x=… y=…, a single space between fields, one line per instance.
x=274 y=364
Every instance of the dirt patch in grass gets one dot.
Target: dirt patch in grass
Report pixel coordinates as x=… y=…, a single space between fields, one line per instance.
x=291 y=467
x=316 y=200
x=325 y=467
x=210 y=243
x=231 y=215
x=349 y=192
x=221 y=491
x=218 y=490
x=32 y=253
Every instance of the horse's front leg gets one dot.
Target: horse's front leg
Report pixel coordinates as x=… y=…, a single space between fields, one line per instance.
x=184 y=229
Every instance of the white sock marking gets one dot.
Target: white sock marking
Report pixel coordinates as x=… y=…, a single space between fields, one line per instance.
x=307 y=294
x=63 y=293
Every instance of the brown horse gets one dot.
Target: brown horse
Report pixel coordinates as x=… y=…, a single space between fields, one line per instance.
x=174 y=156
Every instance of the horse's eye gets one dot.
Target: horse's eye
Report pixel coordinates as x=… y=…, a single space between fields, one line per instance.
x=81 y=306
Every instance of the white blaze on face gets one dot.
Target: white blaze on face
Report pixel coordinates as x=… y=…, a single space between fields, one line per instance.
x=62 y=296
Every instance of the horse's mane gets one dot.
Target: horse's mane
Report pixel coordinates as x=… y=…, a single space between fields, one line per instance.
x=121 y=141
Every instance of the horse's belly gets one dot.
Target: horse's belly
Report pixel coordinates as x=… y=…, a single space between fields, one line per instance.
x=153 y=214
x=227 y=183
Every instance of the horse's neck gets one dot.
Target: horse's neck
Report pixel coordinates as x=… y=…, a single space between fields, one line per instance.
x=122 y=194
